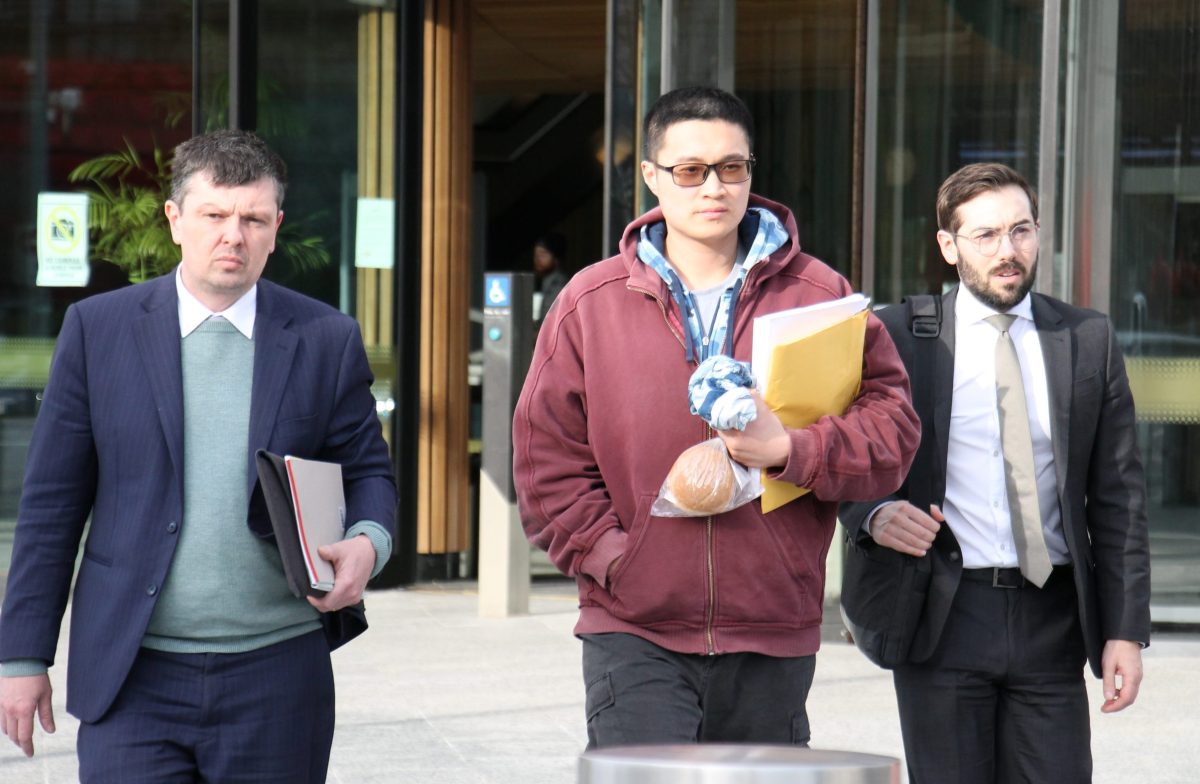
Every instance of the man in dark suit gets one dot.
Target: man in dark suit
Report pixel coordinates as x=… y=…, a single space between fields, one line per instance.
x=1027 y=497
x=189 y=658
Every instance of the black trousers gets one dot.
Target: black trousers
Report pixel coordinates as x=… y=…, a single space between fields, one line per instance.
x=639 y=693
x=250 y=718
x=1003 y=697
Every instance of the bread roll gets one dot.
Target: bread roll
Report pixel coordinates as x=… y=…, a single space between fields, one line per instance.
x=702 y=480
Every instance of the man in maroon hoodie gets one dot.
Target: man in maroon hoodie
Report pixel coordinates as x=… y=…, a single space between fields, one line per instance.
x=694 y=629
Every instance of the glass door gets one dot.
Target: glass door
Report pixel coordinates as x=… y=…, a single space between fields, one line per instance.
x=947 y=84
x=1149 y=280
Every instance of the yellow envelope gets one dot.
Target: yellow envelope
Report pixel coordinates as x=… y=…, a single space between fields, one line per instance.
x=815 y=376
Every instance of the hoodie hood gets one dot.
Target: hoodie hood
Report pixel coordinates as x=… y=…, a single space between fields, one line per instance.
x=760 y=234
x=643 y=277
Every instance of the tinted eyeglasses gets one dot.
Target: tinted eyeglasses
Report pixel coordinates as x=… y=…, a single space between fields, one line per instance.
x=689 y=175
x=1023 y=237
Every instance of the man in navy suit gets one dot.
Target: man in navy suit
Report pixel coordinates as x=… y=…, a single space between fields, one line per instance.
x=189 y=658
x=1028 y=498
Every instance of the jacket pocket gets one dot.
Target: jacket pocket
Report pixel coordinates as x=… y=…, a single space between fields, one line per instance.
x=599 y=695
x=298 y=436
x=769 y=569
x=95 y=557
x=1088 y=387
x=661 y=577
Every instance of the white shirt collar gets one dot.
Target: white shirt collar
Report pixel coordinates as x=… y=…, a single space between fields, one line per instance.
x=969 y=310
x=192 y=312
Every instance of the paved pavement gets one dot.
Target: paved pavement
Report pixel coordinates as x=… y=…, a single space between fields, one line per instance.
x=434 y=694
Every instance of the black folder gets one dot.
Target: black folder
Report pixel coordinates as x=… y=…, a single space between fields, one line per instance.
x=341 y=626
x=272 y=475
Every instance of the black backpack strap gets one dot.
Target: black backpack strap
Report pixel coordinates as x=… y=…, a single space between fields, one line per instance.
x=925 y=321
x=925 y=315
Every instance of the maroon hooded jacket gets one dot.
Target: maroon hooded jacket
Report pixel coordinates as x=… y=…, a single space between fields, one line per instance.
x=603 y=415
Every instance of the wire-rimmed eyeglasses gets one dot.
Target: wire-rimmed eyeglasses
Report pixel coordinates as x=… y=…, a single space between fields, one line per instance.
x=1023 y=237
x=689 y=175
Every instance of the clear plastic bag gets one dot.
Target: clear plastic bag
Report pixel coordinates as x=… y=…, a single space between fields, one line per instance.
x=704 y=481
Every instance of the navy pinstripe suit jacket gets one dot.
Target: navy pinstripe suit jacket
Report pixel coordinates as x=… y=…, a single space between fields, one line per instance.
x=108 y=442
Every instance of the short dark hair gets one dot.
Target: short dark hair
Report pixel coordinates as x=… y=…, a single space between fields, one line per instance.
x=972 y=180
x=229 y=158
x=693 y=103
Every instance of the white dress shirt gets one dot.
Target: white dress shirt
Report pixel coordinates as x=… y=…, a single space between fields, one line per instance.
x=976 y=504
x=193 y=312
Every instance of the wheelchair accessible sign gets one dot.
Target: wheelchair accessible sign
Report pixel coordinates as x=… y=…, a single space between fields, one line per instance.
x=497 y=291
x=62 y=239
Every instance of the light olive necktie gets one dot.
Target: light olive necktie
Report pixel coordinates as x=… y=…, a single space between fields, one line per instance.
x=1020 y=478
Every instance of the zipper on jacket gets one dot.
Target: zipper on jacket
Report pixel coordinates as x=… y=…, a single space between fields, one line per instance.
x=710 y=612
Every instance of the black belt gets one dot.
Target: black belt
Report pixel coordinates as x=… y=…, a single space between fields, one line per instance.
x=1005 y=576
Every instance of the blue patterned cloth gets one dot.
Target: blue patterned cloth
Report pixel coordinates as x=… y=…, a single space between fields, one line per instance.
x=719 y=392
x=760 y=231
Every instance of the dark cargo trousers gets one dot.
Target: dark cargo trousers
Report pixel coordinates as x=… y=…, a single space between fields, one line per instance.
x=639 y=693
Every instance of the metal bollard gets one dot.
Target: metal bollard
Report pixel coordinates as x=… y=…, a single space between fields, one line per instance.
x=733 y=764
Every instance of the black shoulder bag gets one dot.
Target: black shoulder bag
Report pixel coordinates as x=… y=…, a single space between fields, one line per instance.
x=883 y=591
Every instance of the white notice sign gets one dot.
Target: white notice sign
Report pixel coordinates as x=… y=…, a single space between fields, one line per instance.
x=374 y=233
x=62 y=239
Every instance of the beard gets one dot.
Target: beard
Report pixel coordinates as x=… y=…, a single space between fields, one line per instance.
x=1006 y=296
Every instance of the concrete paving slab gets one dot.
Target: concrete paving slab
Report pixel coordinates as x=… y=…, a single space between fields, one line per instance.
x=433 y=694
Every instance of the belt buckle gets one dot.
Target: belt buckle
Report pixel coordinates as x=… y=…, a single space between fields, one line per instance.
x=996 y=571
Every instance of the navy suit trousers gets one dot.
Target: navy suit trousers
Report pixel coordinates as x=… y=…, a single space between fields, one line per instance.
x=261 y=716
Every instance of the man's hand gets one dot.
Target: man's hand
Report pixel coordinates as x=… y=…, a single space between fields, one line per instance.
x=1121 y=667
x=352 y=559
x=764 y=443
x=905 y=528
x=20 y=697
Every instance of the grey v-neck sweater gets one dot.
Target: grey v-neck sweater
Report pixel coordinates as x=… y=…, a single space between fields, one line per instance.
x=226 y=591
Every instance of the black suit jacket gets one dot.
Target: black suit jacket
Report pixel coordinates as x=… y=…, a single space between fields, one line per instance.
x=1101 y=490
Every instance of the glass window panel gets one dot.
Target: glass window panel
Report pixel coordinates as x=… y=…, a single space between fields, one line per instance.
x=958 y=84
x=795 y=71
x=77 y=80
x=700 y=42
x=308 y=110
x=1155 y=274
x=630 y=191
x=213 y=56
